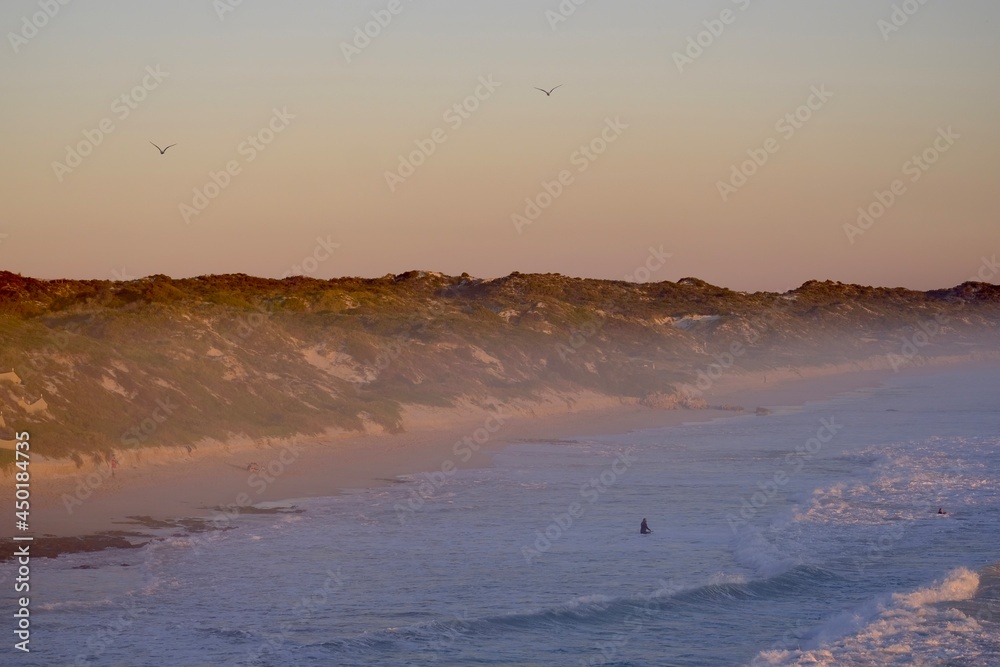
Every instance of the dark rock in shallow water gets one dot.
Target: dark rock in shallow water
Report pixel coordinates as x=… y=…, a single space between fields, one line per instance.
x=186 y=525
x=50 y=547
x=251 y=509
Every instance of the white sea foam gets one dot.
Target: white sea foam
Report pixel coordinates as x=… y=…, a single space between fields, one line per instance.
x=905 y=628
x=762 y=554
x=67 y=605
x=720 y=578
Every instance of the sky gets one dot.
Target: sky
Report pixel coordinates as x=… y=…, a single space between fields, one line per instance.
x=755 y=145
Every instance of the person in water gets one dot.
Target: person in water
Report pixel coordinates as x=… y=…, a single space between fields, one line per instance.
x=644 y=528
x=941 y=511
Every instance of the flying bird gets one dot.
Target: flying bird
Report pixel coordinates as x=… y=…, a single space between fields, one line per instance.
x=162 y=150
x=548 y=93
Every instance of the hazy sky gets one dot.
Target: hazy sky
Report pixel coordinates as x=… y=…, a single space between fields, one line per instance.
x=309 y=129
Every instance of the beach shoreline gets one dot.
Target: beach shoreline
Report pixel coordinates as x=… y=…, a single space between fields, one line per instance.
x=168 y=486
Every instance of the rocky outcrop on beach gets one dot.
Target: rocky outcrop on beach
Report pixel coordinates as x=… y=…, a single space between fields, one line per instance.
x=159 y=361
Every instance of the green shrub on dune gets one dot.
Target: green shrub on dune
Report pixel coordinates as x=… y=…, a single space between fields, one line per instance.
x=162 y=362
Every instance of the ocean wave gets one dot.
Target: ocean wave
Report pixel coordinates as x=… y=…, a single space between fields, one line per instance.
x=854 y=527
x=796 y=579
x=728 y=578
x=235 y=634
x=935 y=622
x=961 y=584
x=588 y=611
x=76 y=604
x=433 y=635
x=907 y=482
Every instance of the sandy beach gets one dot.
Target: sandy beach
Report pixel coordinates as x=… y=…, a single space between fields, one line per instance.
x=173 y=484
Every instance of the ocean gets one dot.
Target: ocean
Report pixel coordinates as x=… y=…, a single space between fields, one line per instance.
x=810 y=536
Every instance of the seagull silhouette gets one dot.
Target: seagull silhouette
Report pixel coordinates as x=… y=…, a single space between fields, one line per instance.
x=162 y=150
x=548 y=93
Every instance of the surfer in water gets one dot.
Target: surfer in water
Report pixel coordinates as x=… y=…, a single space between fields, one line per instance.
x=941 y=511
x=644 y=528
